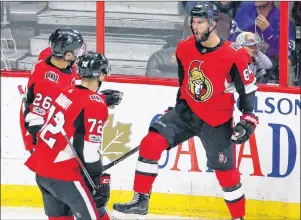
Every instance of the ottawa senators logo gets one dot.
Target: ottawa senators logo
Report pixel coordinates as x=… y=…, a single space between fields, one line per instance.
x=199 y=86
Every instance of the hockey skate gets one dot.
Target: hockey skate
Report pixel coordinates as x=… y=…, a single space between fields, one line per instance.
x=137 y=207
x=242 y=218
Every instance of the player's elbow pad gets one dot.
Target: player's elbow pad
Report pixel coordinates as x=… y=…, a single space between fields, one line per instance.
x=92 y=158
x=246 y=102
x=90 y=152
x=94 y=169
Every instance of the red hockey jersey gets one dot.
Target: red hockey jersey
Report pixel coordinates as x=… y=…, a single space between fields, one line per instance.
x=44 y=78
x=211 y=76
x=81 y=113
x=45 y=53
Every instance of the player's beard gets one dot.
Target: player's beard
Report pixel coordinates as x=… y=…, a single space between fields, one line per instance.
x=201 y=36
x=70 y=62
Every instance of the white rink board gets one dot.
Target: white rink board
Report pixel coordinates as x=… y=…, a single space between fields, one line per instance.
x=139 y=105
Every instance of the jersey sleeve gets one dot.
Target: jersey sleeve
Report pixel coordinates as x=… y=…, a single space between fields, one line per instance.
x=242 y=74
x=30 y=94
x=180 y=71
x=244 y=81
x=29 y=99
x=89 y=135
x=180 y=78
x=34 y=74
x=45 y=53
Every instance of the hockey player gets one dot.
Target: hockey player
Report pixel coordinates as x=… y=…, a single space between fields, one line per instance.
x=204 y=108
x=260 y=62
x=81 y=112
x=54 y=69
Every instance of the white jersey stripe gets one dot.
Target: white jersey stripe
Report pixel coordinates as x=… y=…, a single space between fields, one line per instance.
x=86 y=199
x=147 y=168
x=236 y=194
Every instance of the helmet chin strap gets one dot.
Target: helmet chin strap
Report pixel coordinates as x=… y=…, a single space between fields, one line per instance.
x=99 y=85
x=71 y=62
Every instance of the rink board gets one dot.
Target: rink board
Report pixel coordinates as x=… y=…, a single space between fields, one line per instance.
x=185 y=186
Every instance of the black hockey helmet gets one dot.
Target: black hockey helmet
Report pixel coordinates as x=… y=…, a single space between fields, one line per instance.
x=65 y=40
x=92 y=64
x=207 y=10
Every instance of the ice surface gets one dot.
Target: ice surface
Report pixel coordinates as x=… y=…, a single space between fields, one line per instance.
x=16 y=213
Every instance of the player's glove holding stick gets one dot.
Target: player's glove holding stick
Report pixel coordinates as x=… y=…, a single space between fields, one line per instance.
x=244 y=128
x=101 y=194
x=33 y=124
x=168 y=109
x=113 y=97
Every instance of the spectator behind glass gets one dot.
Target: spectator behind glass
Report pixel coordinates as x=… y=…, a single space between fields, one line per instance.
x=252 y=43
x=162 y=64
x=263 y=19
x=296 y=12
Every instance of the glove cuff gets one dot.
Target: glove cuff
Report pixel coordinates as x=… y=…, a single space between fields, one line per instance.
x=105 y=178
x=250 y=118
x=34 y=119
x=168 y=109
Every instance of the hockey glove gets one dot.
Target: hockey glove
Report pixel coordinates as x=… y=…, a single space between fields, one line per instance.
x=168 y=109
x=245 y=128
x=113 y=97
x=102 y=193
x=33 y=124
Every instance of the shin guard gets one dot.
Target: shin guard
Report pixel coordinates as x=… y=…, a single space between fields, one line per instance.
x=151 y=148
x=233 y=192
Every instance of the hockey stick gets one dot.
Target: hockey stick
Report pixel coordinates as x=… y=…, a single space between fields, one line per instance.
x=63 y=132
x=113 y=163
x=22 y=93
x=239 y=135
x=24 y=100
